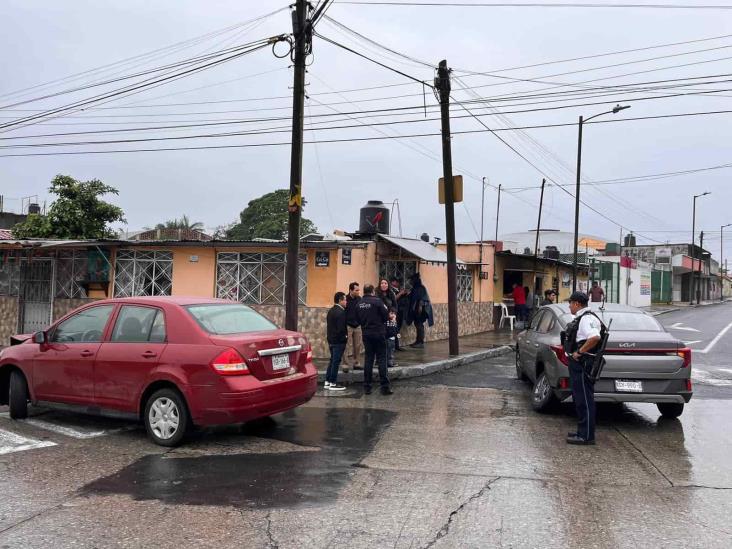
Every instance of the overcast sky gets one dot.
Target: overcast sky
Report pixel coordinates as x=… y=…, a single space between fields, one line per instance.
x=47 y=40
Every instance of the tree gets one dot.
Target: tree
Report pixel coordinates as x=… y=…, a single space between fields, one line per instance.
x=78 y=212
x=182 y=223
x=266 y=217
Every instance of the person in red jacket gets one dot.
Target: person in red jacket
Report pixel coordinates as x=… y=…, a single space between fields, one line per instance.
x=519 y=302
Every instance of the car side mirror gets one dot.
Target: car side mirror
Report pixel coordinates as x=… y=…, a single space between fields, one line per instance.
x=40 y=337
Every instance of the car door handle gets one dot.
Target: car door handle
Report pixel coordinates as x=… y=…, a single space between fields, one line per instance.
x=149 y=354
x=87 y=353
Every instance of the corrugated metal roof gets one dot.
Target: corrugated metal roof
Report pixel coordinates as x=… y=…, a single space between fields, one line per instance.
x=418 y=248
x=6 y=234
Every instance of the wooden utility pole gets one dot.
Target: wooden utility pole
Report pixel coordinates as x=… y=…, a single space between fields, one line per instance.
x=302 y=33
x=442 y=83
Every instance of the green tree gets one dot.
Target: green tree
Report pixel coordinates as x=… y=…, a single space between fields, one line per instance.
x=182 y=223
x=78 y=212
x=266 y=217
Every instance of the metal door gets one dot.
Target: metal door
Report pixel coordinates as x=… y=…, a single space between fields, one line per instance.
x=35 y=294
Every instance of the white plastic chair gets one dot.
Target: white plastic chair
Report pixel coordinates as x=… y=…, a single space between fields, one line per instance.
x=505 y=316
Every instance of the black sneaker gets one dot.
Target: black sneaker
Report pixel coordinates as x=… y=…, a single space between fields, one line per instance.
x=367 y=390
x=386 y=391
x=580 y=441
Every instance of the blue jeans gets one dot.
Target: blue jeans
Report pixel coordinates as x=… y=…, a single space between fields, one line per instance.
x=336 y=353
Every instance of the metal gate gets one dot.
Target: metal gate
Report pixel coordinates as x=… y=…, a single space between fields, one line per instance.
x=661 y=286
x=35 y=294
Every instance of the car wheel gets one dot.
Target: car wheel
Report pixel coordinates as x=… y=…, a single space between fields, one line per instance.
x=520 y=375
x=166 y=417
x=542 y=396
x=670 y=410
x=18 y=395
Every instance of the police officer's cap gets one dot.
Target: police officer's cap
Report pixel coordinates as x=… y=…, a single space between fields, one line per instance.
x=579 y=297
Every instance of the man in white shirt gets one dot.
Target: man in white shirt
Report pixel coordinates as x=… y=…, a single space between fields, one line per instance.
x=583 y=336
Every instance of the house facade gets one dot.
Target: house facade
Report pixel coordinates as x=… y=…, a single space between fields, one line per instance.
x=40 y=281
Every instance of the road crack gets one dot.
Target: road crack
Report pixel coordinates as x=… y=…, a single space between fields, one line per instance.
x=649 y=460
x=270 y=537
x=445 y=530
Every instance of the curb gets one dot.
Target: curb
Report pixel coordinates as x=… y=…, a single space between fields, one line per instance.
x=419 y=370
x=666 y=311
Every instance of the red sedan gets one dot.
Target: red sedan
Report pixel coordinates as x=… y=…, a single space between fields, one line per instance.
x=171 y=361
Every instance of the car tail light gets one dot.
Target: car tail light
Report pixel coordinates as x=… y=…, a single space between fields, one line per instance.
x=685 y=353
x=561 y=355
x=688 y=385
x=564 y=383
x=308 y=348
x=230 y=363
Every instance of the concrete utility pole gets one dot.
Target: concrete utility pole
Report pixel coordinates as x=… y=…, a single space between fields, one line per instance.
x=442 y=83
x=538 y=230
x=721 y=255
x=699 y=271
x=302 y=33
x=693 y=242
x=498 y=209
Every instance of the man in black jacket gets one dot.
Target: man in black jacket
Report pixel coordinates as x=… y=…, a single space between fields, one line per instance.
x=354 y=330
x=337 y=339
x=372 y=316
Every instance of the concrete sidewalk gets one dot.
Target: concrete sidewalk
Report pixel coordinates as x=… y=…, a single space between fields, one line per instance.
x=435 y=356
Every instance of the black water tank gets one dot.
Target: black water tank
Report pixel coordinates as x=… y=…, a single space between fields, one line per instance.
x=551 y=252
x=629 y=240
x=374 y=218
x=34 y=208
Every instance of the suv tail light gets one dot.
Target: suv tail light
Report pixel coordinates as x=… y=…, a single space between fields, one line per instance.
x=230 y=363
x=685 y=353
x=561 y=355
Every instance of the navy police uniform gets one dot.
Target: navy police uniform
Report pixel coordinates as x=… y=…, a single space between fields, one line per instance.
x=584 y=326
x=372 y=316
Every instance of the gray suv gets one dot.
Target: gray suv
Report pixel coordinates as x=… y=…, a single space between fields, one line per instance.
x=644 y=363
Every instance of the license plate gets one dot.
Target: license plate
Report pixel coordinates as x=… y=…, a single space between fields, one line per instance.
x=623 y=386
x=280 y=362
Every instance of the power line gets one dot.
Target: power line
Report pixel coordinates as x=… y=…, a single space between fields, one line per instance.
x=538 y=5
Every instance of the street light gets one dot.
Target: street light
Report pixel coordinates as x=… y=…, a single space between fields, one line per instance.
x=693 y=250
x=616 y=109
x=721 y=261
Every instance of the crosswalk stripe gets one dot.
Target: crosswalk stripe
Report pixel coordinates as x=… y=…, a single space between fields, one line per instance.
x=11 y=442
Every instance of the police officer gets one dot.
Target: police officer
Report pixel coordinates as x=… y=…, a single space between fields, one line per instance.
x=581 y=337
x=372 y=315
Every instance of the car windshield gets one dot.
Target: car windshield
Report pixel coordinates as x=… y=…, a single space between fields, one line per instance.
x=222 y=319
x=624 y=321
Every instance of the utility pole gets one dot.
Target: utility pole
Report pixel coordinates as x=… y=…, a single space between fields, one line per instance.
x=721 y=258
x=577 y=206
x=302 y=33
x=538 y=230
x=701 y=258
x=498 y=209
x=442 y=83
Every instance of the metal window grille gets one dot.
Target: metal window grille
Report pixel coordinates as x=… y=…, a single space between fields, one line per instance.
x=143 y=272
x=9 y=274
x=256 y=278
x=402 y=270
x=464 y=283
x=71 y=270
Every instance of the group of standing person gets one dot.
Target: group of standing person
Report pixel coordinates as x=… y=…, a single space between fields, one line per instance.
x=374 y=320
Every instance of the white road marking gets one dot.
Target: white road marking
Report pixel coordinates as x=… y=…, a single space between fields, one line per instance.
x=10 y=442
x=679 y=326
x=66 y=431
x=713 y=342
x=728 y=370
x=692 y=342
x=705 y=378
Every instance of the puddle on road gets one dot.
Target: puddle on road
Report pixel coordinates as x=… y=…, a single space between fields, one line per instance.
x=260 y=480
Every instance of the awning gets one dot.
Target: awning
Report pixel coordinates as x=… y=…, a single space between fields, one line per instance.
x=424 y=251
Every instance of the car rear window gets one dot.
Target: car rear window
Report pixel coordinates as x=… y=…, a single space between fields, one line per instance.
x=222 y=319
x=624 y=321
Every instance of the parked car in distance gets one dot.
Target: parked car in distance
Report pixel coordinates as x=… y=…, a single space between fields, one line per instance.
x=171 y=362
x=644 y=363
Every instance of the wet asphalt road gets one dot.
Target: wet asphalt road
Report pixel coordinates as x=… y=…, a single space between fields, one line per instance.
x=457 y=459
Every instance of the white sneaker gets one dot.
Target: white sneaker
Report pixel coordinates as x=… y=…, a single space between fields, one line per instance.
x=326 y=385
x=335 y=387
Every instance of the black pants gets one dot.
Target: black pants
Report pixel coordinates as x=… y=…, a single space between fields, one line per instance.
x=419 y=327
x=374 y=346
x=583 y=394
